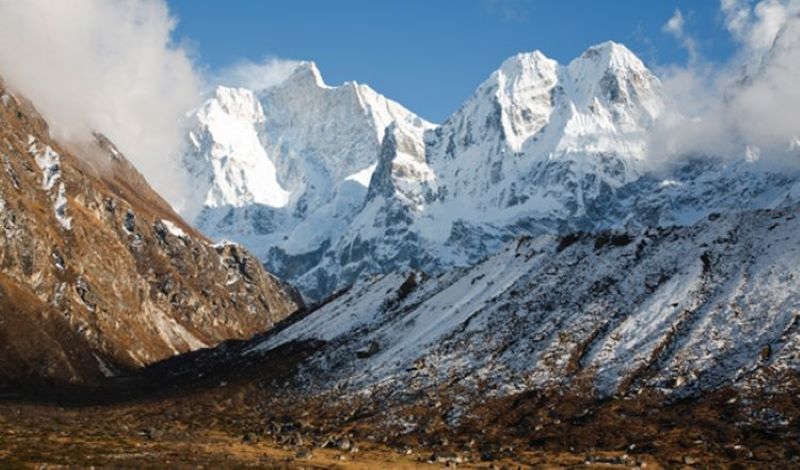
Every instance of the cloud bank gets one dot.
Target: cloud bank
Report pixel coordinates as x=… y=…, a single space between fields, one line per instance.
x=109 y=66
x=748 y=108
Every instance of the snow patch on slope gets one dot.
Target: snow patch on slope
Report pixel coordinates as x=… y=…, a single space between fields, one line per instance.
x=173 y=229
x=49 y=162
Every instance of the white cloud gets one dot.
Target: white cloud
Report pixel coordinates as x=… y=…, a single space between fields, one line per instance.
x=755 y=27
x=257 y=76
x=109 y=66
x=748 y=106
x=737 y=15
x=675 y=26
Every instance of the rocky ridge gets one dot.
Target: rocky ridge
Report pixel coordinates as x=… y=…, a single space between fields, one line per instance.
x=99 y=274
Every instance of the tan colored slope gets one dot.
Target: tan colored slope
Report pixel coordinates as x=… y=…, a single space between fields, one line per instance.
x=112 y=273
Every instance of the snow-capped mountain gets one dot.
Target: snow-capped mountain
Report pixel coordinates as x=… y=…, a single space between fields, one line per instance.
x=553 y=124
x=531 y=148
x=285 y=170
x=331 y=184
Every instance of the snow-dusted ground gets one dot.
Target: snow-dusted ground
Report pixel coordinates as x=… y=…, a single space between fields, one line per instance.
x=673 y=309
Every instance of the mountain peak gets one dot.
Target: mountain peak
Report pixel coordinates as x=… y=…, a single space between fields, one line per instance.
x=611 y=72
x=610 y=55
x=525 y=66
x=522 y=59
x=307 y=73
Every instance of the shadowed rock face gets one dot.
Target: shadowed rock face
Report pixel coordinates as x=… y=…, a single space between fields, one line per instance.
x=99 y=275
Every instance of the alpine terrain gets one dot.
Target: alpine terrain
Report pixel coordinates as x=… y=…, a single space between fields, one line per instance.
x=528 y=284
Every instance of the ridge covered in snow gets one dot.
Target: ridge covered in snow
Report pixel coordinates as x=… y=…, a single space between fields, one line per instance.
x=679 y=310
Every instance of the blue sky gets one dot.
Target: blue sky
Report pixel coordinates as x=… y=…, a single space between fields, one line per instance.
x=430 y=55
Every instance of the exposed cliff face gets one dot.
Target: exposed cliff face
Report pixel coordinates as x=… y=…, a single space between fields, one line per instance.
x=98 y=273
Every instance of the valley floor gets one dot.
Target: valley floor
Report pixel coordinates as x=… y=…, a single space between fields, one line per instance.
x=198 y=410
x=36 y=435
x=161 y=435
x=43 y=435
x=234 y=425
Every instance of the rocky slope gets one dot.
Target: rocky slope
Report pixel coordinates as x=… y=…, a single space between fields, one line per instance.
x=673 y=312
x=328 y=185
x=99 y=275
